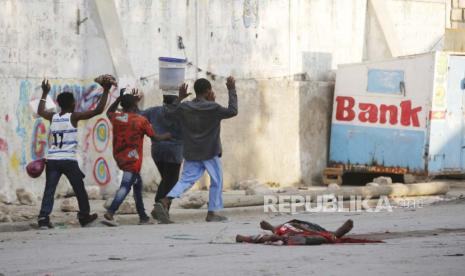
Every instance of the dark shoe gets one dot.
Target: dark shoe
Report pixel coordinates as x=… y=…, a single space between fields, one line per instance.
x=108 y=216
x=154 y=214
x=162 y=214
x=44 y=223
x=144 y=220
x=212 y=217
x=85 y=220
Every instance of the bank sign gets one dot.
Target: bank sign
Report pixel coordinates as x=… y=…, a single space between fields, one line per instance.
x=403 y=114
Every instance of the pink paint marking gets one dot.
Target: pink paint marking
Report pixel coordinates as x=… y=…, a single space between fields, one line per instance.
x=3 y=145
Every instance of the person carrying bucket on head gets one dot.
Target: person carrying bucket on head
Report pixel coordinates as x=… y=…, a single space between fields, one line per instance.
x=200 y=123
x=61 y=155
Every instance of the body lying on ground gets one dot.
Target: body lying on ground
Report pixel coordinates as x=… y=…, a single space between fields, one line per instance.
x=298 y=232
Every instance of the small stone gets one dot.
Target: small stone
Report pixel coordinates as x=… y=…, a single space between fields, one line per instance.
x=4 y=199
x=372 y=184
x=383 y=180
x=5 y=218
x=192 y=201
x=288 y=190
x=258 y=189
x=244 y=184
x=25 y=197
x=127 y=207
x=69 y=205
x=334 y=186
x=93 y=192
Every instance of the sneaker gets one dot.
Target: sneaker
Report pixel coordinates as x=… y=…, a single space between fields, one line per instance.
x=44 y=223
x=87 y=219
x=154 y=214
x=211 y=217
x=108 y=216
x=162 y=214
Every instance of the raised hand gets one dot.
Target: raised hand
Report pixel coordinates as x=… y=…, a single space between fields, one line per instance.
x=136 y=93
x=231 y=83
x=183 y=92
x=211 y=96
x=106 y=81
x=45 y=86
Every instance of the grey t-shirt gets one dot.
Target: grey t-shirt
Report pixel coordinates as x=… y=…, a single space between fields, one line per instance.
x=168 y=150
x=201 y=124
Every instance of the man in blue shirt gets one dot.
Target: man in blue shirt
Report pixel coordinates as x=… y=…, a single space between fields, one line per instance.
x=166 y=154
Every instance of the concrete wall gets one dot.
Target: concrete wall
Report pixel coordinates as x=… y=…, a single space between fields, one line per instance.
x=281 y=132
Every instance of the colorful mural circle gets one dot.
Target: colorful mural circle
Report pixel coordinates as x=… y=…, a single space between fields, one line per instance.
x=39 y=140
x=101 y=135
x=101 y=172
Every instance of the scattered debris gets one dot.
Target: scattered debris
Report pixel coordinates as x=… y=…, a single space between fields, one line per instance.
x=184 y=237
x=192 y=201
x=127 y=207
x=112 y=258
x=25 y=197
x=69 y=205
x=244 y=184
x=334 y=186
x=383 y=180
x=288 y=190
x=93 y=192
x=372 y=184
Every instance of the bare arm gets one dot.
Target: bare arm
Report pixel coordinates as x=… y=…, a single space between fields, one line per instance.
x=113 y=107
x=48 y=115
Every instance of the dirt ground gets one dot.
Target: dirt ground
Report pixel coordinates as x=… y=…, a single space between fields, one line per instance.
x=422 y=241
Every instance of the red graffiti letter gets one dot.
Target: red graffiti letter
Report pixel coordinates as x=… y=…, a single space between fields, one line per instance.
x=383 y=109
x=408 y=114
x=369 y=114
x=345 y=112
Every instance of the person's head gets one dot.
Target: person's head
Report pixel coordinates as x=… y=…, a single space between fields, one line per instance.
x=66 y=101
x=169 y=99
x=128 y=102
x=202 y=87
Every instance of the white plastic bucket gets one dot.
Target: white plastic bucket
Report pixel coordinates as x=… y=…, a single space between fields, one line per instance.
x=172 y=72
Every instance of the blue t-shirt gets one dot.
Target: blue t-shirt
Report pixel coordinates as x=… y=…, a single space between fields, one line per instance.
x=168 y=150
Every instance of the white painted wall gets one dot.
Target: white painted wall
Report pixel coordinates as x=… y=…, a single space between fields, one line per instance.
x=277 y=136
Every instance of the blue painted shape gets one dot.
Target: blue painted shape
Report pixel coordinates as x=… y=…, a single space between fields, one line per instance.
x=385 y=81
x=387 y=147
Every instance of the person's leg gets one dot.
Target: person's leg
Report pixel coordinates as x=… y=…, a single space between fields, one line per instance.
x=75 y=176
x=344 y=229
x=192 y=171
x=52 y=176
x=215 y=199
x=138 y=198
x=260 y=238
x=161 y=170
x=124 y=189
x=169 y=178
x=265 y=225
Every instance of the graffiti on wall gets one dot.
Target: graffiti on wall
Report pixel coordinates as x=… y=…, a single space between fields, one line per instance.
x=29 y=134
x=101 y=172
x=101 y=135
x=39 y=142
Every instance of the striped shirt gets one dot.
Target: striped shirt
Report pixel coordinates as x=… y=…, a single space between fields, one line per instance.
x=63 y=138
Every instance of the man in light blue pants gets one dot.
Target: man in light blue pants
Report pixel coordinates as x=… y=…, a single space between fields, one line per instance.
x=192 y=172
x=200 y=121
